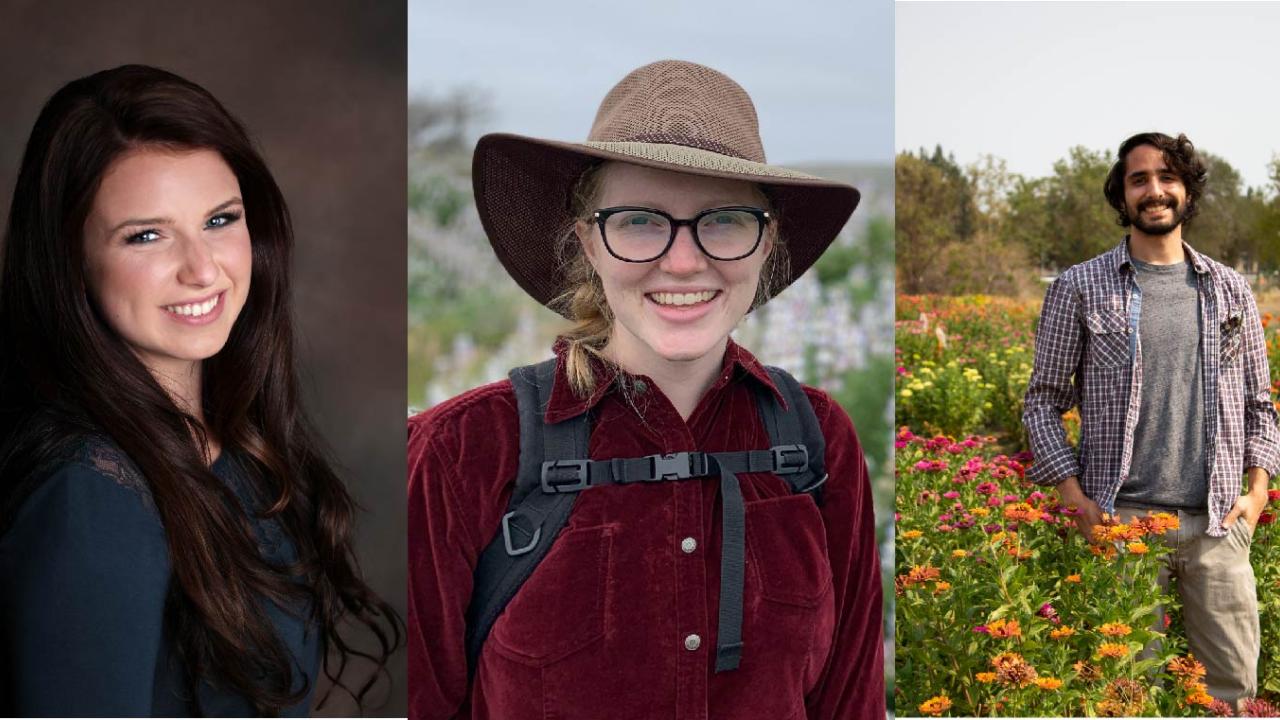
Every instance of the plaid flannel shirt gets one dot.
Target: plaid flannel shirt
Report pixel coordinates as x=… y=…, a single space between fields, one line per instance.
x=1088 y=354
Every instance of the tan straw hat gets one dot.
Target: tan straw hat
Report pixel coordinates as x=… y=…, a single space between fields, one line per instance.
x=670 y=115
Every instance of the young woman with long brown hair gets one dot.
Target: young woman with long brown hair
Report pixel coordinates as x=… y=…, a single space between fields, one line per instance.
x=172 y=539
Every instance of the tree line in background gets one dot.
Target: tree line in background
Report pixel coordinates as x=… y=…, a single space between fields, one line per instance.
x=983 y=229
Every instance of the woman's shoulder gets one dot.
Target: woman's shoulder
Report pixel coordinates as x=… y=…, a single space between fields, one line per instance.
x=475 y=413
x=88 y=514
x=89 y=478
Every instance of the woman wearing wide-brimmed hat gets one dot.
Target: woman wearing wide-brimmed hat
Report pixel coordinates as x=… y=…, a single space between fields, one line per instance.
x=701 y=567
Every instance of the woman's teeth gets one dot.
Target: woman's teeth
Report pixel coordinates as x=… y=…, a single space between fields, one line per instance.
x=194 y=309
x=666 y=298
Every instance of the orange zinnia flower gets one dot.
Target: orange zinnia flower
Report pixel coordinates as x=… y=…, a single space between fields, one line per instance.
x=986 y=677
x=1072 y=578
x=1004 y=628
x=935 y=705
x=1188 y=669
x=1112 y=650
x=911 y=534
x=1138 y=548
x=1059 y=633
x=1115 y=629
x=1048 y=683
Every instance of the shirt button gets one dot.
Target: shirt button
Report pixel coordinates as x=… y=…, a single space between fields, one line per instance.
x=688 y=545
x=692 y=642
x=641 y=386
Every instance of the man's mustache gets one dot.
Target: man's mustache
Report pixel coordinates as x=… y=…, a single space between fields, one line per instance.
x=1168 y=202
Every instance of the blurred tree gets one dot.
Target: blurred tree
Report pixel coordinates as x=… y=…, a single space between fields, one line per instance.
x=1224 y=228
x=1064 y=219
x=931 y=208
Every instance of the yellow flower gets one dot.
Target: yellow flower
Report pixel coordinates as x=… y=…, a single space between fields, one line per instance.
x=941 y=586
x=912 y=534
x=906 y=393
x=1115 y=629
x=959 y=554
x=986 y=677
x=1048 y=683
x=935 y=705
x=980 y=511
x=1112 y=650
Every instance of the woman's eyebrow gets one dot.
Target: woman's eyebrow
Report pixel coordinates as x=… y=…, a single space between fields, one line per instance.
x=141 y=221
x=169 y=221
x=225 y=205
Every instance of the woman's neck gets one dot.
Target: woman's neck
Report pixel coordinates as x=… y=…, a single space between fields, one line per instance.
x=184 y=383
x=684 y=382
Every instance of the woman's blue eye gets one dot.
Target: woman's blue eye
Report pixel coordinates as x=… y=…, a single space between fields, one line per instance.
x=222 y=219
x=142 y=238
x=638 y=220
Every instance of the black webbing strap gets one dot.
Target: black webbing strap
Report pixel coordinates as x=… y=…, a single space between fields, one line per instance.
x=546 y=488
x=522 y=543
x=796 y=421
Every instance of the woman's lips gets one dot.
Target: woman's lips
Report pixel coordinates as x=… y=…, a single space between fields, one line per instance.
x=683 y=307
x=199 y=312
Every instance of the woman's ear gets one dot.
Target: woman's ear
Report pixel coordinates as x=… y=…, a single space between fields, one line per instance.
x=585 y=232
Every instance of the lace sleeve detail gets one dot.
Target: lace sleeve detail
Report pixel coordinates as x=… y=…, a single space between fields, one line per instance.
x=105 y=457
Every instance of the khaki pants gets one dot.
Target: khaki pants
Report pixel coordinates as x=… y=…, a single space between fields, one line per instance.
x=1219 y=600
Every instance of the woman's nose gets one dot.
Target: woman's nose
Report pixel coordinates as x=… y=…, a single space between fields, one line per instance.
x=198 y=267
x=684 y=257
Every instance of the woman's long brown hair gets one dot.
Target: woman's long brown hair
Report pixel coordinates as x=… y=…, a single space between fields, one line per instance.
x=65 y=374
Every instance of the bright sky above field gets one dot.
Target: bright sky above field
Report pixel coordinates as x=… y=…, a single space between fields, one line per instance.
x=1027 y=81
x=820 y=73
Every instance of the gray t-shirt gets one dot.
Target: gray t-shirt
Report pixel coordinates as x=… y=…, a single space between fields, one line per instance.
x=1168 y=468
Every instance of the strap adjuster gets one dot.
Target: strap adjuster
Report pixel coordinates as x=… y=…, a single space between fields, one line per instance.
x=565 y=476
x=506 y=537
x=789 y=459
x=677 y=466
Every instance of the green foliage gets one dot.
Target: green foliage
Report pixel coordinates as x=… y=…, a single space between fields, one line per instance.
x=1005 y=609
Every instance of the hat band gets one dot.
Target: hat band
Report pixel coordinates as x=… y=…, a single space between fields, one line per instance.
x=690 y=142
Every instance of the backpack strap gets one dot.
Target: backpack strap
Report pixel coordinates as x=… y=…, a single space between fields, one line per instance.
x=555 y=467
x=533 y=518
x=795 y=429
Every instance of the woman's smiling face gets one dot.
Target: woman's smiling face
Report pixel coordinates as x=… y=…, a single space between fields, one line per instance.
x=683 y=305
x=167 y=254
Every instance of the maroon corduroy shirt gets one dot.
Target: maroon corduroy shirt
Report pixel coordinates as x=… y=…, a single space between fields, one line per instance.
x=619 y=620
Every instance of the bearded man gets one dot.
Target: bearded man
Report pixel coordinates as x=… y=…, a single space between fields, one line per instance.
x=1162 y=350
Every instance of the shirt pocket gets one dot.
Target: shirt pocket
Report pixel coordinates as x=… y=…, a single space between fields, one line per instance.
x=1231 y=337
x=1108 y=338
x=561 y=608
x=790 y=621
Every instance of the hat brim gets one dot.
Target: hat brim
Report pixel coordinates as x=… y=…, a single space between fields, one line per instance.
x=522 y=187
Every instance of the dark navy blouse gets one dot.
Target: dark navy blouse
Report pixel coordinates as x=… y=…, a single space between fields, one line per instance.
x=84 y=573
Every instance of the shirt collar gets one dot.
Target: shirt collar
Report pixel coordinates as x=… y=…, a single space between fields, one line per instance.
x=738 y=362
x=1120 y=258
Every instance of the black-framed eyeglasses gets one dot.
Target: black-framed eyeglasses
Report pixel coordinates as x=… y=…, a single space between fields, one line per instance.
x=641 y=234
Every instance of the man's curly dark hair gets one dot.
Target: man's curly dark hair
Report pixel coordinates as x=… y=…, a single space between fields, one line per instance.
x=1181 y=156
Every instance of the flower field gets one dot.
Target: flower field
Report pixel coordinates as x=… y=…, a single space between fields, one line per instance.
x=1003 y=608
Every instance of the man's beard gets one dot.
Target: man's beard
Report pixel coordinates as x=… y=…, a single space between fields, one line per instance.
x=1179 y=212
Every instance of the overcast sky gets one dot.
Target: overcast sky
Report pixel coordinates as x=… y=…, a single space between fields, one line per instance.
x=1026 y=81
x=820 y=73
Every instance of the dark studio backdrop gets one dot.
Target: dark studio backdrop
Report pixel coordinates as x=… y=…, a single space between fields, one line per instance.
x=321 y=87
